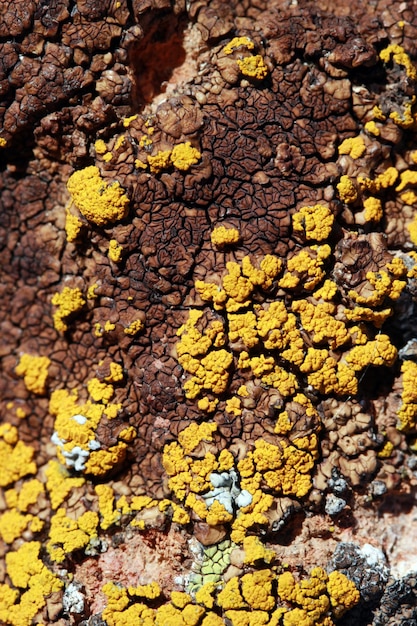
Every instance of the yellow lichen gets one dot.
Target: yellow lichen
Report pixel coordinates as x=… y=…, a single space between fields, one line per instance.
x=257 y=589
x=354 y=147
x=315 y=222
x=115 y=251
x=347 y=190
x=29 y=574
x=35 y=372
x=222 y=236
x=384 y=180
x=73 y=226
x=100 y=146
x=99 y=390
x=378 y=352
x=253 y=67
x=343 y=593
x=100 y=462
x=373 y=209
x=68 y=301
x=108 y=514
x=183 y=156
x=399 y=56
x=236 y=42
x=134 y=327
x=372 y=128
x=407 y=413
x=256 y=551
x=59 y=483
x=98 y=201
x=384 y=284
x=128 y=120
x=67 y=535
x=15 y=456
x=160 y=161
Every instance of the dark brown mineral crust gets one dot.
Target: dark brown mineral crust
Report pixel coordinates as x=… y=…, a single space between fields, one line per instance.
x=231 y=137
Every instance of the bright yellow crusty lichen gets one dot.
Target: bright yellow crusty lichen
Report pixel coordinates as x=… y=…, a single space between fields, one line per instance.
x=102 y=461
x=115 y=251
x=222 y=236
x=160 y=161
x=14 y=521
x=306 y=268
x=69 y=301
x=407 y=413
x=354 y=147
x=67 y=534
x=343 y=593
x=16 y=458
x=76 y=424
x=255 y=551
x=253 y=66
x=35 y=372
x=73 y=226
x=399 y=56
x=98 y=201
x=108 y=514
x=347 y=190
x=59 y=483
x=100 y=146
x=134 y=327
x=183 y=156
x=317 y=597
x=237 y=42
x=386 y=179
x=383 y=284
x=372 y=128
x=315 y=222
x=33 y=584
x=373 y=209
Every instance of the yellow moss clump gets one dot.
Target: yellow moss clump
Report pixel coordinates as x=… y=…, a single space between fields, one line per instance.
x=69 y=301
x=35 y=372
x=315 y=222
x=98 y=201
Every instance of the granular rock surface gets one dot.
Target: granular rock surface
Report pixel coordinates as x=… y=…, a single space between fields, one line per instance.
x=208 y=300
